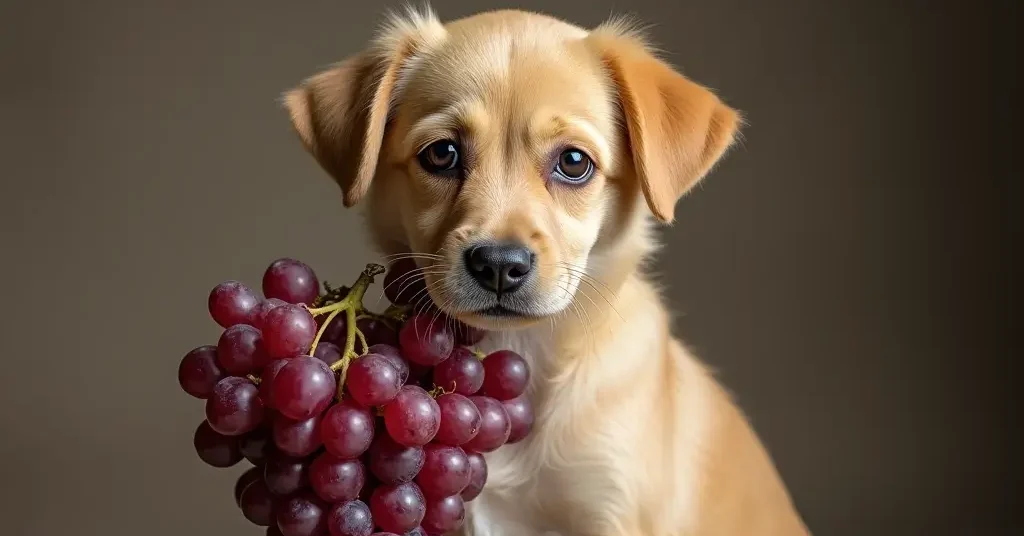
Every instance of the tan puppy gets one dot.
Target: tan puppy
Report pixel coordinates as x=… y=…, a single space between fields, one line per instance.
x=524 y=160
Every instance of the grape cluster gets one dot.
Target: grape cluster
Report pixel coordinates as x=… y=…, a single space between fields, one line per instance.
x=356 y=423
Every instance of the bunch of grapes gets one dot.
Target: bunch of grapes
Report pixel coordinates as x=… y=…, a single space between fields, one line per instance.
x=356 y=423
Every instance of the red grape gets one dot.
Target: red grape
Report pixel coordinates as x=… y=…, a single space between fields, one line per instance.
x=255 y=445
x=302 y=515
x=328 y=352
x=460 y=419
x=461 y=373
x=372 y=381
x=477 y=476
x=234 y=408
x=292 y=281
x=240 y=350
x=336 y=331
x=520 y=416
x=232 y=303
x=444 y=515
x=506 y=375
x=404 y=282
x=398 y=508
x=425 y=340
x=347 y=429
x=272 y=530
x=335 y=479
x=215 y=449
x=257 y=504
x=248 y=477
x=297 y=438
x=267 y=381
x=259 y=317
x=350 y=518
x=394 y=357
x=199 y=372
x=445 y=471
x=494 y=425
x=303 y=388
x=413 y=418
x=377 y=331
x=284 y=475
x=392 y=463
x=288 y=331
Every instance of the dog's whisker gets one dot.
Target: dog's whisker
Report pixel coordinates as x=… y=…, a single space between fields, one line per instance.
x=588 y=280
x=410 y=254
x=409 y=278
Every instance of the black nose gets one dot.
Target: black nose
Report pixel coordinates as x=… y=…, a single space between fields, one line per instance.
x=499 y=268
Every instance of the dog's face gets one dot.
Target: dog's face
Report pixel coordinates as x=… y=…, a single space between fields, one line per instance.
x=504 y=150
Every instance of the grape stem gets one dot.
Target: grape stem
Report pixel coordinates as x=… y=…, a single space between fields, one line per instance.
x=351 y=305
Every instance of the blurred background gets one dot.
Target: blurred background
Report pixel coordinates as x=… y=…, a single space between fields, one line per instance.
x=848 y=270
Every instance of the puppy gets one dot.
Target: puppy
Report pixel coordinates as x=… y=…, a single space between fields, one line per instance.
x=524 y=161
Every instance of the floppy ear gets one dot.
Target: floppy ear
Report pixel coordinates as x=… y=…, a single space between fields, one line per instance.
x=341 y=114
x=677 y=129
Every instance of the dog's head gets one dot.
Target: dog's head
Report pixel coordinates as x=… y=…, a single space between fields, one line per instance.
x=510 y=151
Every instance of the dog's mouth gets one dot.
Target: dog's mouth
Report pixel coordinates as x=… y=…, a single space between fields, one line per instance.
x=500 y=311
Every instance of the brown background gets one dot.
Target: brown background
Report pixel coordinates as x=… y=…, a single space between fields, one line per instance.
x=847 y=270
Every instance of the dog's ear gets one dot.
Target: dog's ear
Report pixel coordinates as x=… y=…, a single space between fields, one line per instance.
x=340 y=114
x=677 y=129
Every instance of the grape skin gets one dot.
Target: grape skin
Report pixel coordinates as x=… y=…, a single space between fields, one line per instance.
x=216 y=450
x=495 y=426
x=425 y=340
x=234 y=408
x=328 y=352
x=257 y=504
x=302 y=515
x=336 y=480
x=304 y=387
x=392 y=463
x=297 y=438
x=347 y=429
x=462 y=373
x=377 y=332
x=288 y=331
x=444 y=515
x=248 y=477
x=372 y=381
x=394 y=357
x=240 y=350
x=292 y=281
x=398 y=508
x=460 y=420
x=477 y=478
x=350 y=518
x=413 y=417
x=284 y=475
x=520 y=416
x=445 y=472
x=260 y=315
x=267 y=381
x=506 y=375
x=231 y=302
x=199 y=372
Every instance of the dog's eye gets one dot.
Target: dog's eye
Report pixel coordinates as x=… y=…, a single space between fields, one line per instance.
x=440 y=156
x=574 y=166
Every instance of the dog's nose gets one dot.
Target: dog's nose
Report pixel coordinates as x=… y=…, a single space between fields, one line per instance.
x=499 y=268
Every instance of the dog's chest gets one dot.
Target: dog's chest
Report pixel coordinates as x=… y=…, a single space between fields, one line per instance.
x=541 y=485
